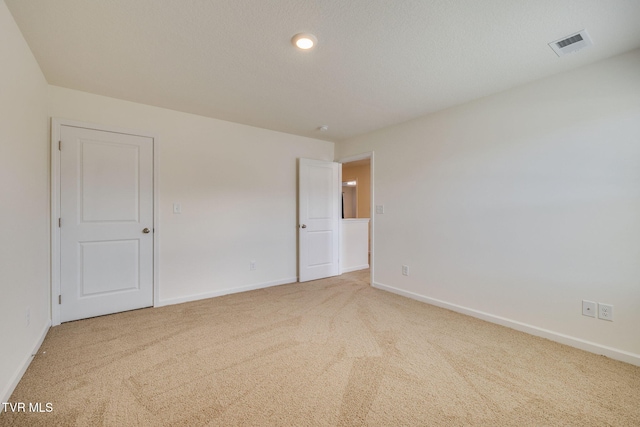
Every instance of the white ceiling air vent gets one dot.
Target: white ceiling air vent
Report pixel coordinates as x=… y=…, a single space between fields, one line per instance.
x=572 y=43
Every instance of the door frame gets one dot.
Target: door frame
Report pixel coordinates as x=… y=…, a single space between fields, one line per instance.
x=56 y=125
x=372 y=207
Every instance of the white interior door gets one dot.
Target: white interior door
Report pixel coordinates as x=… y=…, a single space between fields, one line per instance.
x=106 y=222
x=319 y=213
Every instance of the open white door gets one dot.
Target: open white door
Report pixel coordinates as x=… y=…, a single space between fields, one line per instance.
x=106 y=222
x=319 y=215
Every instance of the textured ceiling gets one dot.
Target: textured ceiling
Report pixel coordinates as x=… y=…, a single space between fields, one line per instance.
x=377 y=63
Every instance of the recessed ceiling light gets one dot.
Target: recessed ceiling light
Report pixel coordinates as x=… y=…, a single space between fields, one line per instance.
x=304 y=41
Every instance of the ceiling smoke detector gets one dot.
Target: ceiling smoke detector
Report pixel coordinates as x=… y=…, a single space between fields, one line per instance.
x=571 y=43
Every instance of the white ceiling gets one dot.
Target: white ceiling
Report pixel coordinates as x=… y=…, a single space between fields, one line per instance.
x=377 y=62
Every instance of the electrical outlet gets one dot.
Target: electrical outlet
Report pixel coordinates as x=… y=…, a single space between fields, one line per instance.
x=405 y=270
x=605 y=312
x=28 y=316
x=379 y=209
x=252 y=265
x=588 y=308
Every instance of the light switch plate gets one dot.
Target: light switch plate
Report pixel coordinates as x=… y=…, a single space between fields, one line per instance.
x=177 y=209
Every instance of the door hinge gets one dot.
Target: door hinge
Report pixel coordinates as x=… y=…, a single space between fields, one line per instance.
x=59 y=299
x=59 y=222
x=59 y=145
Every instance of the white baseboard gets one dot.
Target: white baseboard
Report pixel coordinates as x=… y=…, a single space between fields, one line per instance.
x=228 y=291
x=356 y=268
x=6 y=393
x=589 y=346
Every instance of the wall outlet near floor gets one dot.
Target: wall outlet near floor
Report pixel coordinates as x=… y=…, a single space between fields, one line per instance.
x=605 y=312
x=252 y=265
x=588 y=308
x=405 y=270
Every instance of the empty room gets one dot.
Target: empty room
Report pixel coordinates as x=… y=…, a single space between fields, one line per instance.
x=320 y=213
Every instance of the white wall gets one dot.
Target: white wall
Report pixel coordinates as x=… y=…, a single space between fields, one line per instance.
x=517 y=206
x=24 y=195
x=236 y=185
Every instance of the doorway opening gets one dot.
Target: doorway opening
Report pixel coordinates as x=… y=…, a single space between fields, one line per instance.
x=357 y=249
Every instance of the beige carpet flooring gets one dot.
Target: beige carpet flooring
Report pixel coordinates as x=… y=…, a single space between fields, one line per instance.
x=333 y=352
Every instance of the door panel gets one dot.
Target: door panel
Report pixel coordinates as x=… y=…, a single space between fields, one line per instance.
x=106 y=201
x=319 y=213
x=115 y=199
x=109 y=266
x=320 y=248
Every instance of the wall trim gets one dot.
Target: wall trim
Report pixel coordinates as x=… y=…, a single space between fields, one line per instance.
x=227 y=291
x=356 y=268
x=613 y=353
x=8 y=391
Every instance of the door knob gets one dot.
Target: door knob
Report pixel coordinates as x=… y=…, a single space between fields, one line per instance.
x=303 y=226
x=146 y=231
